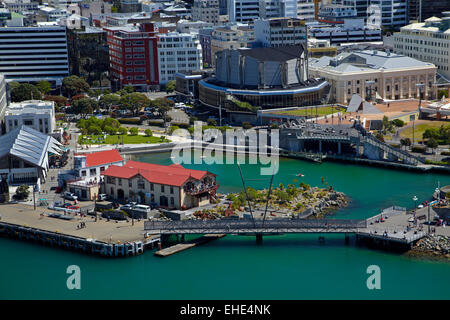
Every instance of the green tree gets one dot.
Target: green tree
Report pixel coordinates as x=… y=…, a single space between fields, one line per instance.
x=22 y=192
x=25 y=91
x=163 y=106
x=84 y=106
x=406 y=142
x=60 y=101
x=107 y=101
x=148 y=132
x=44 y=86
x=94 y=129
x=212 y=122
x=170 y=87
x=379 y=136
x=432 y=143
x=134 y=102
x=133 y=131
x=74 y=85
x=122 y=131
x=111 y=122
x=128 y=89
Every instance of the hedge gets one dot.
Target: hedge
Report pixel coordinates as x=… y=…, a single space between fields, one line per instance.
x=130 y=121
x=180 y=125
x=156 y=123
x=418 y=149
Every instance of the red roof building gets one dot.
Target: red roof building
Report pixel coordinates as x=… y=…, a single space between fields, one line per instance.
x=167 y=186
x=92 y=165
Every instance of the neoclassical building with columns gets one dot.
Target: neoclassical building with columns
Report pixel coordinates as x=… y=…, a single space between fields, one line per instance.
x=375 y=74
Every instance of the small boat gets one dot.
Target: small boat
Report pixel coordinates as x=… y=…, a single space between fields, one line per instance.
x=300 y=175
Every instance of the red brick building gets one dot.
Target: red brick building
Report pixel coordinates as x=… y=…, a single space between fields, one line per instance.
x=133 y=56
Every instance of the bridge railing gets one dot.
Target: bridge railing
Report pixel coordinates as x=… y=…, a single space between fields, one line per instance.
x=248 y=224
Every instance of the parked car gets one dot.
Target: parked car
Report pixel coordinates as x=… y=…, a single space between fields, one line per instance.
x=102 y=197
x=70 y=196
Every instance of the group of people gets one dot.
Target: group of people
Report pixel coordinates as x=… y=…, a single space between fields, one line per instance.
x=81 y=225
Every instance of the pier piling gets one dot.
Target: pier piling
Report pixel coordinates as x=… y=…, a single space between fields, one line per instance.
x=259 y=238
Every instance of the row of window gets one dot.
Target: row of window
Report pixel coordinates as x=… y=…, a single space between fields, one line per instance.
x=140 y=184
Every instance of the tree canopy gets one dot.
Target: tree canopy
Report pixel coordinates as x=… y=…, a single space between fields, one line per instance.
x=74 y=85
x=24 y=91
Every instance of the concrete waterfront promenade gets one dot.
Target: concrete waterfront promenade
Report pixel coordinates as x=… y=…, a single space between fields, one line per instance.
x=113 y=237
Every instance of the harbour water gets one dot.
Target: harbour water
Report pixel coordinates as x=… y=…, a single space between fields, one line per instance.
x=284 y=267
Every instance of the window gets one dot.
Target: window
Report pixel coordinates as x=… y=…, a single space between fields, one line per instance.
x=28 y=122
x=141 y=184
x=152 y=197
x=162 y=188
x=102 y=169
x=83 y=173
x=120 y=181
x=130 y=183
x=93 y=172
x=171 y=189
x=172 y=201
x=110 y=180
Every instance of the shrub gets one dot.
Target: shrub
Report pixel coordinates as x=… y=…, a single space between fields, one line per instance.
x=122 y=131
x=173 y=128
x=155 y=123
x=418 y=149
x=22 y=192
x=130 y=121
x=148 y=132
x=134 y=131
x=398 y=123
x=445 y=153
x=180 y=125
x=246 y=125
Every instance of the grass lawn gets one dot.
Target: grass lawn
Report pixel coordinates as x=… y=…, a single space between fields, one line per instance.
x=323 y=111
x=115 y=139
x=420 y=129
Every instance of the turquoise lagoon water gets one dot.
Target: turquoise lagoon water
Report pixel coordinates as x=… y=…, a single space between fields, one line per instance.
x=284 y=267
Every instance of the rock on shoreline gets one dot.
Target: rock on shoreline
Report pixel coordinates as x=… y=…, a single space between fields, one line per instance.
x=432 y=245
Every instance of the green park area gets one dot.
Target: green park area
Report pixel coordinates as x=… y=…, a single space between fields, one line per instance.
x=320 y=112
x=119 y=139
x=419 y=129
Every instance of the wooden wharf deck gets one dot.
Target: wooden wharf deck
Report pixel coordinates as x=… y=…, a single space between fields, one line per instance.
x=188 y=244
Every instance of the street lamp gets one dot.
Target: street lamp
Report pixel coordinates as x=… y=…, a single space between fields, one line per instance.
x=419 y=86
x=415 y=206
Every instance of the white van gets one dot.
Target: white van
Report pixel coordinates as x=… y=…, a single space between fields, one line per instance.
x=142 y=207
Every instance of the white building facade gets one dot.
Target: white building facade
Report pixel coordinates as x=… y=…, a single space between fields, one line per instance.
x=34 y=53
x=246 y=11
x=178 y=52
x=39 y=115
x=394 y=76
x=428 y=41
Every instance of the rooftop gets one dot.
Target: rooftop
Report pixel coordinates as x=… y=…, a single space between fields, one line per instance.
x=366 y=60
x=273 y=54
x=173 y=175
x=102 y=157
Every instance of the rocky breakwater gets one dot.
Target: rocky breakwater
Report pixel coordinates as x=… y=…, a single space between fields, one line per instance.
x=301 y=201
x=437 y=246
